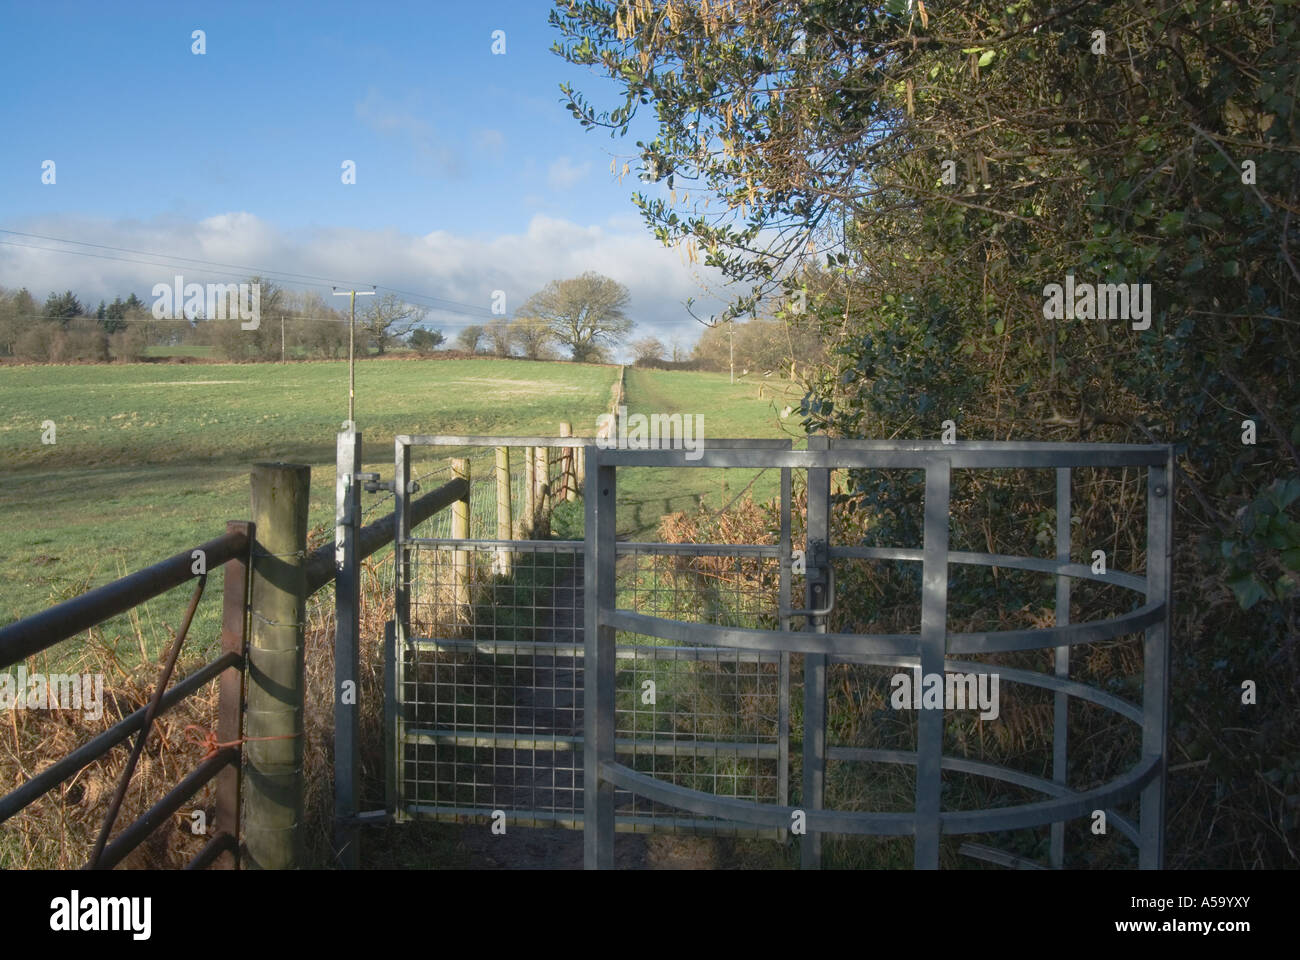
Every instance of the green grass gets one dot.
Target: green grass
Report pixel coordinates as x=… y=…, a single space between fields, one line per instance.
x=151 y=459
x=729 y=410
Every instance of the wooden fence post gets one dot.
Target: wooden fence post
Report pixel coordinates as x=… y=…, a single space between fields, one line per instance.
x=529 y=520
x=230 y=710
x=505 y=525
x=542 y=474
x=273 y=788
x=568 y=475
x=460 y=531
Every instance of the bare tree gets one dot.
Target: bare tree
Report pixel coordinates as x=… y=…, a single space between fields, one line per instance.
x=389 y=319
x=648 y=348
x=586 y=313
x=499 y=337
x=534 y=337
x=470 y=337
x=321 y=329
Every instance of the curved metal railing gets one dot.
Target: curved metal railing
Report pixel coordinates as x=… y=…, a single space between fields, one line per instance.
x=927 y=650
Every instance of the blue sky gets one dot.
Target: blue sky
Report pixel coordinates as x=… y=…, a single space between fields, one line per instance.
x=470 y=175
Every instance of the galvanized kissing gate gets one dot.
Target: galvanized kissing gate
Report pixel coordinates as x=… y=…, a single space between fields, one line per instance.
x=615 y=686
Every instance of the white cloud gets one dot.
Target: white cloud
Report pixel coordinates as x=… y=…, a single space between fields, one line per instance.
x=564 y=173
x=450 y=266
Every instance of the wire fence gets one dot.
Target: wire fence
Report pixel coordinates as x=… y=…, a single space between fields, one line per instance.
x=495 y=677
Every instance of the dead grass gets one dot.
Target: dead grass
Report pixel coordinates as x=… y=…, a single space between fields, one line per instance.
x=58 y=831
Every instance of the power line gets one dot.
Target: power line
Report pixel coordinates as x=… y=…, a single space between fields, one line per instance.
x=529 y=321
x=170 y=260
x=225 y=273
x=170 y=256
x=444 y=305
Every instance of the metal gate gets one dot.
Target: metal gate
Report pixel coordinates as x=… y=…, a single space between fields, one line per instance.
x=612 y=686
x=487 y=680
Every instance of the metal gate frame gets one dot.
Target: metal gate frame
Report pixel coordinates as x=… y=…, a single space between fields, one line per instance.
x=401 y=644
x=603 y=773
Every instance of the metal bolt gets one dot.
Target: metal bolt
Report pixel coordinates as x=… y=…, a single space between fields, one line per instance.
x=1160 y=490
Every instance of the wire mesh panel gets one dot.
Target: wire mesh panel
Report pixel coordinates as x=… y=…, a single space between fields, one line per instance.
x=488 y=667
x=485 y=670
x=492 y=683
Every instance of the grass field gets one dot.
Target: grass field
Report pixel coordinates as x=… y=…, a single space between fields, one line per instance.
x=151 y=459
x=729 y=410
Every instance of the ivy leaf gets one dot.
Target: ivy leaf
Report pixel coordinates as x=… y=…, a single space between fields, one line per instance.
x=1249 y=591
x=1284 y=493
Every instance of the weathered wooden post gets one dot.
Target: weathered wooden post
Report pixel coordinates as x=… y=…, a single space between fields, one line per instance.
x=230 y=710
x=505 y=526
x=542 y=471
x=529 y=522
x=274 y=718
x=460 y=531
x=529 y=511
x=568 y=475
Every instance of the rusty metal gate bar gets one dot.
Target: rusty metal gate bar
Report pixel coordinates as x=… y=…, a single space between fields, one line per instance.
x=928 y=650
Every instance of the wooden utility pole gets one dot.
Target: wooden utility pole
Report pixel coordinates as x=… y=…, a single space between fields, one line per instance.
x=352 y=339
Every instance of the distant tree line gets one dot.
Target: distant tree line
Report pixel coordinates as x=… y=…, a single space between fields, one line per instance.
x=584 y=317
x=292 y=325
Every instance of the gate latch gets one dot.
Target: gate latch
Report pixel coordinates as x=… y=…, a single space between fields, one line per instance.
x=822 y=575
x=372 y=484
